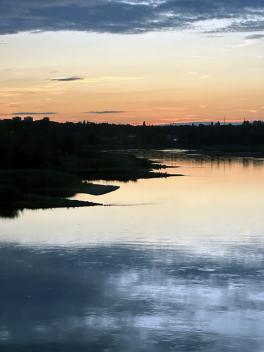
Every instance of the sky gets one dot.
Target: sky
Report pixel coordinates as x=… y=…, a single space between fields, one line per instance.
x=129 y=61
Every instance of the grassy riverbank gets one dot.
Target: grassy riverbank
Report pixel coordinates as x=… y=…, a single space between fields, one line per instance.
x=53 y=188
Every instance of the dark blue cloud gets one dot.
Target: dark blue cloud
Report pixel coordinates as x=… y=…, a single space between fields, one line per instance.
x=127 y=16
x=67 y=79
x=25 y=113
x=105 y=112
x=255 y=36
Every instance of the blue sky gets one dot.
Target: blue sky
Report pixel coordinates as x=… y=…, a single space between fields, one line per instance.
x=130 y=16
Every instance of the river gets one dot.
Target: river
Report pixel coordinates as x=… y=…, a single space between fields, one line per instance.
x=173 y=264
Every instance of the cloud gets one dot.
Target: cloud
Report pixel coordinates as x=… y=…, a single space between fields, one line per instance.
x=127 y=16
x=95 y=79
x=255 y=36
x=66 y=79
x=198 y=75
x=251 y=39
x=26 y=113
x=105 y=112
x=203 y=57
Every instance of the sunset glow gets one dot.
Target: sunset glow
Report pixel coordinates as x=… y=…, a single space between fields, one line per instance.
x=207 y=71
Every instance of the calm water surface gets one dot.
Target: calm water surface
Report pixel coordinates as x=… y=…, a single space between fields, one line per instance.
x=171 y=264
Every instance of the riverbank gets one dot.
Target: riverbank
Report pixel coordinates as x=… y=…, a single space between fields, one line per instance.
x=52 y=188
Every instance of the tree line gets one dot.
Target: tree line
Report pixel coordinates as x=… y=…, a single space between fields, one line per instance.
x=44 y=143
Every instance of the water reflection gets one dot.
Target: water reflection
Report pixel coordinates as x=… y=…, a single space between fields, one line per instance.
x=174 y=157
x=178 y=162
x=132 y=298
x=180 y=270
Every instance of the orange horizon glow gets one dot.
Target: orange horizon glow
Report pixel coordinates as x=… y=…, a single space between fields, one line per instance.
x=159 y=78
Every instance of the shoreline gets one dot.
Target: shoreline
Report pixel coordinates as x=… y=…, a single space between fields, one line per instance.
x=33 y=189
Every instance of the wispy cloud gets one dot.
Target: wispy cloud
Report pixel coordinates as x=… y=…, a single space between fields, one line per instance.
x=125 y=16
x=255 y=36
x=252 y=111
x=202 y=57
x=198 y=75
x=96 y=79
x=26 y=113
x=66 y=79
x=105 y=112
x=250 y=40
